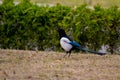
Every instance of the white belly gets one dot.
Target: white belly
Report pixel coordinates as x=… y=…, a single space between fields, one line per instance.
x=64 y=42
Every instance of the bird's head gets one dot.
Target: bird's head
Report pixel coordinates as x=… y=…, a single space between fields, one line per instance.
x=61 y=32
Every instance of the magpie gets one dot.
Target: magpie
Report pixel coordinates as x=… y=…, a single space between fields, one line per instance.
x=68 y=44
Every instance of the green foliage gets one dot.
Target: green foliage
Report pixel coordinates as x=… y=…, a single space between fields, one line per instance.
x=26 y=26
x=94 y=28
x=114 y=28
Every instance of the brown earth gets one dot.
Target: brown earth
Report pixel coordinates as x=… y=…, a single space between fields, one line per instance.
x=29 y=65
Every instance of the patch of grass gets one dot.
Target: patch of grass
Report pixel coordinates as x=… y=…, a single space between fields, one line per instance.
x=48 y=66
x=104 y=3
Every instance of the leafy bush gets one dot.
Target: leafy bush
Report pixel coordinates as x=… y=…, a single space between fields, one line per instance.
x=26 y=26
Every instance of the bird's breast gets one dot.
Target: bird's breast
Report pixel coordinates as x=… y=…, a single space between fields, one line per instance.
x=64 y=42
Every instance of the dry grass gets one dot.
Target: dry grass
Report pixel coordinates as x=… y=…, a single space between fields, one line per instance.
x=28 y=65
x=104 y=3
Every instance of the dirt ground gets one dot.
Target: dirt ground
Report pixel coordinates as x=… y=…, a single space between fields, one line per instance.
x=29 y=65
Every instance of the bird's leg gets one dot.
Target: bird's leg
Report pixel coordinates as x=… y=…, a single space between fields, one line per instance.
x=69 y=54
x=65 y=54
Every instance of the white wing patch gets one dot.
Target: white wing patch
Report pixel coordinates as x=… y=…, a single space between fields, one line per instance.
x=64 y=42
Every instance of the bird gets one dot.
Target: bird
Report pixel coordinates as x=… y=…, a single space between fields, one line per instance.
x=68 y=44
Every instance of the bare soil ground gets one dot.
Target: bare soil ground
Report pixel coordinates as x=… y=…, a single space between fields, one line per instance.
x=29 y=65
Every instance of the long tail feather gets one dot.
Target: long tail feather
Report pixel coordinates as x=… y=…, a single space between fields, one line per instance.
x=99 y=53
x=75 y=44
x=91 y=51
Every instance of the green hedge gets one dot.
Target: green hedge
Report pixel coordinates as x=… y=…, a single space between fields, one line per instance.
x=26 y=26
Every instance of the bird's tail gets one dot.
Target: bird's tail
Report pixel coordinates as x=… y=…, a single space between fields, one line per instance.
x=91 y=51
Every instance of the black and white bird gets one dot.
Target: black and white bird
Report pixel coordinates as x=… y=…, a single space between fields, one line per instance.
x=68 y=44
